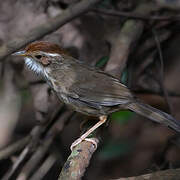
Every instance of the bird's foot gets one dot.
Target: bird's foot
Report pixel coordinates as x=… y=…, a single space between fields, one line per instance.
x=87 y=133
x=79 y=140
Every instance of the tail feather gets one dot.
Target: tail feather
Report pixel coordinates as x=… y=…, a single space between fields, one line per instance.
x=154 y=115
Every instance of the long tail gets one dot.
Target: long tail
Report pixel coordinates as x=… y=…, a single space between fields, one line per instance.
x=154 y=115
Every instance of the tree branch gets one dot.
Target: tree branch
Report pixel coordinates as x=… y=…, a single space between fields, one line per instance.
x=134 y=15
x=46 y=28
x=122 y=45
x=77 y=162
x=11 y=149
x=160 y=175
x=32 y=163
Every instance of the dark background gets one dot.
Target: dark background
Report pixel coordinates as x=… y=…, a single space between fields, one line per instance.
x=128 y=48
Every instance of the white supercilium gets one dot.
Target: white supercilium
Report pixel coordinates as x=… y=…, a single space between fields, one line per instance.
x=51 y=54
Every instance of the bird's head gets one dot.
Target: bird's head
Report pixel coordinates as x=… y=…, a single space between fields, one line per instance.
x=40 y=55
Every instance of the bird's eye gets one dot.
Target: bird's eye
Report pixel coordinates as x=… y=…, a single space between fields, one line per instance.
x=38 y=56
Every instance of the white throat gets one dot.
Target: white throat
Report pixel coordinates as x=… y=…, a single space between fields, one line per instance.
x=36 y=67
x=33 y=65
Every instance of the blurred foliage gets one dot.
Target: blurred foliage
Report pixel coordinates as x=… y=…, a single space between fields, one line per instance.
x=26 y=95
x=102 y=62
x=106 y=3
x=122 y=117
x=124 y=76
x=115 y=149
x=1 y=84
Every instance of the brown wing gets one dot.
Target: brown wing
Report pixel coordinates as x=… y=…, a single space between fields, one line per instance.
x=101 y=89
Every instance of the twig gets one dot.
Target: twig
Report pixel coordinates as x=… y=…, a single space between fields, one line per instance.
x=124 y=40
x=122 y=45
x=34 y=160
x=47 y=164
x=151 y=91
x=48 y=27
x=172 y=5
x=160 y=175
x=35 y=134
x=44 y=147
x=166 y=96
x=9 y=150
x=147 y=61
x=16 y=164
x=154 y=99
x=149 y=43
x=133 y=15
x=77 y=162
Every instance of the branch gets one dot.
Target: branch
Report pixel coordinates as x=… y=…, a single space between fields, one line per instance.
x=161 y=80
x=48 y=27
x=125 y=40
x=122 y=45
x=174 y=5
x=154 y=92
x=44 y=147
x=17 y=163
x=77 y=162
x=45 y=167
x=149 y=43
x=133 y=15
x=11 y=149
x=160 y=175
x=33 y=143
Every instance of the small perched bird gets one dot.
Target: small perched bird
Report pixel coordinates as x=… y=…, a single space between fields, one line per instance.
x=86 y=89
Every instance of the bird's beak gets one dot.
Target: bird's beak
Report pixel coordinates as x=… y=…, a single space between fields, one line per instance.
x=20 y=53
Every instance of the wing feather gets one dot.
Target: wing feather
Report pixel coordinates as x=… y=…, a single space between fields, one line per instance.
x=99 y=88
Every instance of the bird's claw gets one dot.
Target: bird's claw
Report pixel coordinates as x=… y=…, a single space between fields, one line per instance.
x=79 y=140
x=93 y=141
x=76 y=142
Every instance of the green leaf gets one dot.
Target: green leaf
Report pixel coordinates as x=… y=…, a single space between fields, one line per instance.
x=124 y=76
x=102 y=62
x=122 y=117
x=115 y=149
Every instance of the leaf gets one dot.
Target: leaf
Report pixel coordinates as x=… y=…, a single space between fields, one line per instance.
x=102 y=62
x=124 y=76
x=122 y=117
x=116 y=149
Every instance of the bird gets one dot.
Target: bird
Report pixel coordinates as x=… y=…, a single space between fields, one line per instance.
x=85 y=88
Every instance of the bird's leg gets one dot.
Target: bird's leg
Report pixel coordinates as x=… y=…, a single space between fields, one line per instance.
x=102 y=120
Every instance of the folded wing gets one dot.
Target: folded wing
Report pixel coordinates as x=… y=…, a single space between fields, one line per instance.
x=101 y=89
